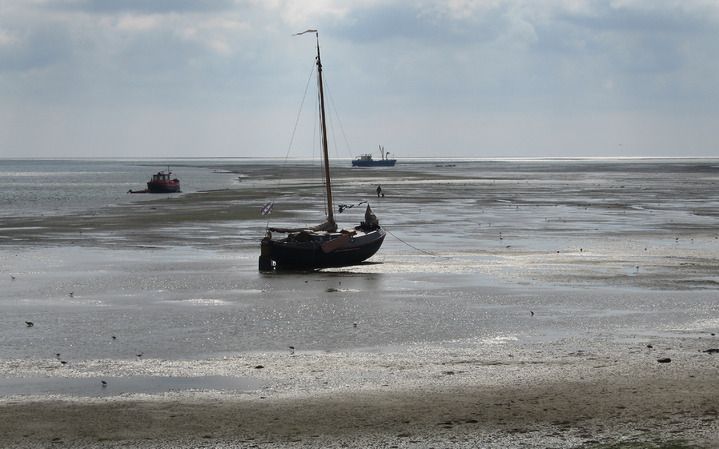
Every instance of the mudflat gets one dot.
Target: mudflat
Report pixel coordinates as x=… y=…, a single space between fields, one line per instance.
x=515 y=396
x=537 y=304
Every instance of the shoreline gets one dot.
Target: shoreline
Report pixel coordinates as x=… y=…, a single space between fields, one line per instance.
x=510 y=395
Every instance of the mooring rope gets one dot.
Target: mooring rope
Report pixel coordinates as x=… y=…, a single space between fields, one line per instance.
x=410 y=245
x=267 y=207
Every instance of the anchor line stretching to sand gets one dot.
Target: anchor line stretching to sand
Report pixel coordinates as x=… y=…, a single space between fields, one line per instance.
x=412 y=246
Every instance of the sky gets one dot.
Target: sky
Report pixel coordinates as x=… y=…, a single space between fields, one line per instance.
x=424 y=78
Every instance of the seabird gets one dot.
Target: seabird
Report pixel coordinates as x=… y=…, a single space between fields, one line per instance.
x=63 y=362
x=12 y=277
x=71 y=294
x=531 y=313
x=114 y=338
x=104 y=384
x=139 y=354
x=292 y=350
x=29 y=323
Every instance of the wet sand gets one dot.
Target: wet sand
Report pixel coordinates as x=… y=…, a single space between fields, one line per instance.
x=568 y=223
x=617 y=267
x=567 y=394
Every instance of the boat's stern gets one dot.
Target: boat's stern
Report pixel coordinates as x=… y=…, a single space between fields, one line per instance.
x=266 y=264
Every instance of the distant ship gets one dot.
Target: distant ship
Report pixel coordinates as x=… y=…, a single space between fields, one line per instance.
x=161 y=182
x=366 y=160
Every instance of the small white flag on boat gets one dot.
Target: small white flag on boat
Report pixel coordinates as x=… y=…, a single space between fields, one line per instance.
x=267 y=208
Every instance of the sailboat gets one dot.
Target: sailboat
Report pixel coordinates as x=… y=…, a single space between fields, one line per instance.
x=321 y=246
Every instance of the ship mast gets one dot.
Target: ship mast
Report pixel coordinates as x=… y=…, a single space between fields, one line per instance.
x=323 y=127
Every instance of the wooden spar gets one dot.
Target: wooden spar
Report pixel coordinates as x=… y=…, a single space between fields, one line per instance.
x=323 y=127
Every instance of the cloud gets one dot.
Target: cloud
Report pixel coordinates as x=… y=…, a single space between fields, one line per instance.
x=140 y=6
x=7 y=39
x=137 y=23
x=59 y=52
x=38 y=49
x=452 y=61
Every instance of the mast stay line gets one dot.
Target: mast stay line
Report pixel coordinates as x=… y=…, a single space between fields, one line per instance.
x=323 y=128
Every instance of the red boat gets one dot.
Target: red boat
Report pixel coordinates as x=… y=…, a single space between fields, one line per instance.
x=162 y=182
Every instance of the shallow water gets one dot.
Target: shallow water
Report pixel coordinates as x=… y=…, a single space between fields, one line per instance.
x=614 y=249
x=115 y=386
x=55 y=187
x=204 y=304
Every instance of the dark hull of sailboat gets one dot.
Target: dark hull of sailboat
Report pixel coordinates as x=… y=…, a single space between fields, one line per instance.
x=310 y=255
x=373 y=163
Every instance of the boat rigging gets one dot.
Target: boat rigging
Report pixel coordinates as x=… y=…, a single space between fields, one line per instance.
x=321 y=246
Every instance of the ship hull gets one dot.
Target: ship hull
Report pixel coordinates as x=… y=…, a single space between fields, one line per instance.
x=168 y=187
x=379 y=163
x=321 y=252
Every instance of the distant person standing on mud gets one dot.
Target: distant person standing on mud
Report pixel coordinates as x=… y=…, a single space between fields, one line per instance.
x=379 y=191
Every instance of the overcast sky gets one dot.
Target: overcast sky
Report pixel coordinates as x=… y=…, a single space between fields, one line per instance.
x=442 y=78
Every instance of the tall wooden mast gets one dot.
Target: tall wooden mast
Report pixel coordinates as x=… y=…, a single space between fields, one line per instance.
x=323 y=127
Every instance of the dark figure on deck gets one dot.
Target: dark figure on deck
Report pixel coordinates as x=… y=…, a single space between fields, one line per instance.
x=379 y=191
